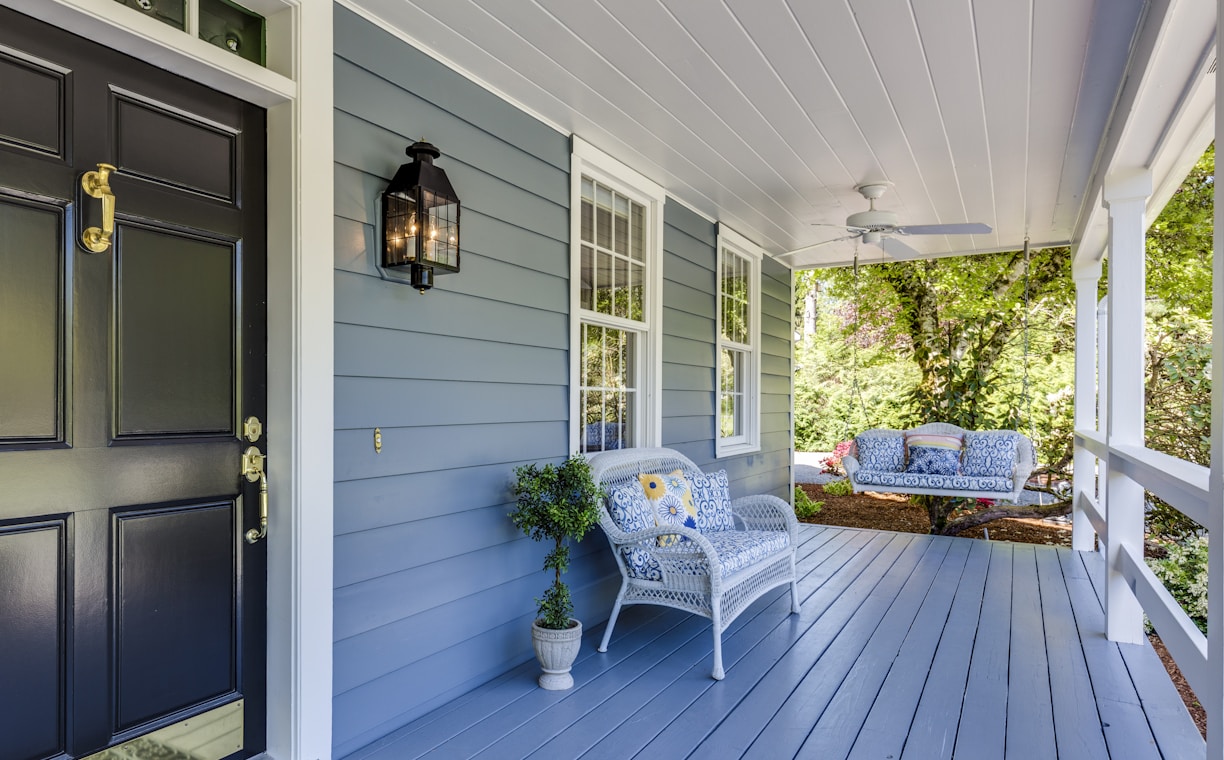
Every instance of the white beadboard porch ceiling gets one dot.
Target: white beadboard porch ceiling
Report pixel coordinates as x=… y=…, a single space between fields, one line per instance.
x=765 y=114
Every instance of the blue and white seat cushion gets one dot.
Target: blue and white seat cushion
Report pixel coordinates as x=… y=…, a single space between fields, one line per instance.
x=738 y=549
x=881 y=453
x=941 y=482
x=990 y=454
x=712 y=497
x=629 y=509
x=931 y=460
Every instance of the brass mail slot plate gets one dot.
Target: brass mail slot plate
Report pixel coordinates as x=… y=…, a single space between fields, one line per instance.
x=207 y=736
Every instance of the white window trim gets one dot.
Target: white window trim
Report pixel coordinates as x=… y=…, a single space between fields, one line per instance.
x=587 y=160
x=750 y=441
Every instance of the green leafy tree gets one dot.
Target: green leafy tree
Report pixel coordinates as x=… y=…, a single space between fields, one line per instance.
x=1178 y=346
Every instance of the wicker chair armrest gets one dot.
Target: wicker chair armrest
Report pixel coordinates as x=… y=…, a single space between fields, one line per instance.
x=678 y=558
x=850 y=464
x=766 y=512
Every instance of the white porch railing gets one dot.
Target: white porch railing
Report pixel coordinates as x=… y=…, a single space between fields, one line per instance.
x=1184 y=486
x=1113 y=467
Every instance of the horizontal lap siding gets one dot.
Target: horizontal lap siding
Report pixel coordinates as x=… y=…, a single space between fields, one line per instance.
x=690 y=356
x=434 y=588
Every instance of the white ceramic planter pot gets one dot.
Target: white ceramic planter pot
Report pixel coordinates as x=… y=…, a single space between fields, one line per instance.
x=556 y=650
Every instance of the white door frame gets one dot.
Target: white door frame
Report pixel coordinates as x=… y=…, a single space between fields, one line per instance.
x=296 y=88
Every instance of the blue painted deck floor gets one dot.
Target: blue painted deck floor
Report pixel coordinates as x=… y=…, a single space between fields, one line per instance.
x=908 y=646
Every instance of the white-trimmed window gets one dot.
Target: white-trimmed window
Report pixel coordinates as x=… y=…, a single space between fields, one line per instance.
x=616 y=286
x=739 y=344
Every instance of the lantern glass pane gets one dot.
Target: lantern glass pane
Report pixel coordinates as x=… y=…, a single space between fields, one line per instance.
x=399 y=233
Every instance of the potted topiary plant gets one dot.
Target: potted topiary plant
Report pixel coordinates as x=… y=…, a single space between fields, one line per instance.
x=555 y=503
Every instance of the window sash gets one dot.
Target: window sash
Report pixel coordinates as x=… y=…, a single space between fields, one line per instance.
x=609 y=387
x=612 y=235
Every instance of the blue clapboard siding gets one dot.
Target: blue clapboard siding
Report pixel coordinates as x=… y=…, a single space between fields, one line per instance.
x=433 y=588
x=690 y=357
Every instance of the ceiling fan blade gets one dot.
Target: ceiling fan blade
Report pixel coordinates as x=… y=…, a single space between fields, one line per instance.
x=815 y=245
x=971 y=228
x=898 y=250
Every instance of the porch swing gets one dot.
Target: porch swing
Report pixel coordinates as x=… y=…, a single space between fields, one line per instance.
x=938 y=458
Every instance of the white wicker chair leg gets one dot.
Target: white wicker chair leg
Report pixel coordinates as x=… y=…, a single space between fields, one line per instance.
x=794 y=587
x=716 y=623
x=603 y=645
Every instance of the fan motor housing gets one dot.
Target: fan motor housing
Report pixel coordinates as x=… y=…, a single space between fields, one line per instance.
x=874 y=220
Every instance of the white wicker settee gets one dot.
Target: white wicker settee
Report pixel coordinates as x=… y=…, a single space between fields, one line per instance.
x=995 y=464
x=755 y=555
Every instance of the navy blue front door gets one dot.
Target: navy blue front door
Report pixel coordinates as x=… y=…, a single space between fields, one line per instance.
x=129 y=600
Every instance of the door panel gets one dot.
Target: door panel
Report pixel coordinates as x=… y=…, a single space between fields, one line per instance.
x=32 y=621
x=39 y=120
x=175 y=301
x=130 y=604
x=208 y=168
x=32 y=294
x=174 y=649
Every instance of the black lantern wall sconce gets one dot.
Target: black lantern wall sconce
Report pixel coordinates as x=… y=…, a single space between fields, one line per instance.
x=420 y=217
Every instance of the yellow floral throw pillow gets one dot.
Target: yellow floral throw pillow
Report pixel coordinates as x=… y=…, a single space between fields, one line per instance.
x=671 y=498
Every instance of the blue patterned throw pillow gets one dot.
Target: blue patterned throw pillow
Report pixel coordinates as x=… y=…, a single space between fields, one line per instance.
x=880 y=453
x=990 y=454
x=712 y=497
x=933 y=460
x=629 y=508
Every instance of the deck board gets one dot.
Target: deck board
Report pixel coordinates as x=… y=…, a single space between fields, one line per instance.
x=1030 y=712
x=908 y=646
x=983 y=721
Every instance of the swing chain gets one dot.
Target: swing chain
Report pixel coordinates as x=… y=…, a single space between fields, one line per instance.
x=1025 y=391
x=856 y=390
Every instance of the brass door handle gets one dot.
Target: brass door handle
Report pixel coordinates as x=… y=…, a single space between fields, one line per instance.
x=253 y=470
x=97 y=185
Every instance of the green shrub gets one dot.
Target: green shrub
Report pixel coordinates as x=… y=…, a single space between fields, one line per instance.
x=1184 y=572
x=838 y=488
x=804 y=506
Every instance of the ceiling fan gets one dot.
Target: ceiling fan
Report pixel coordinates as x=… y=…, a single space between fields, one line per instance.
x=879 y=227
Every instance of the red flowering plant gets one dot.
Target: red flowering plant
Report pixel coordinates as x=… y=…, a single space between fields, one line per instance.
x=833 y=463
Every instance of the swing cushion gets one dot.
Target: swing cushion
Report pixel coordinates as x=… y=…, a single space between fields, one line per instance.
x=990 y=453
x=933 y=454
x=880 y=453
x=940 y=482
x=933 y=460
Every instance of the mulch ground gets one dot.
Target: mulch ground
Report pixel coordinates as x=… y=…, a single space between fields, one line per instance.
x=880 y=511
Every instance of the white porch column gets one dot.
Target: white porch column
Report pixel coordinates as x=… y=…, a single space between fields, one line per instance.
x=1086 y=280
x=1213 y=701
x=1126 y=198
x=1102 y=468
